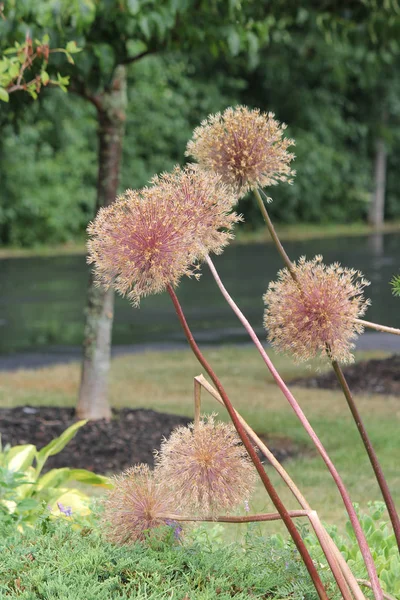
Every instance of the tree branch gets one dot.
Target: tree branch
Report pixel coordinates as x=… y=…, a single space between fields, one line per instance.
x=133 y=59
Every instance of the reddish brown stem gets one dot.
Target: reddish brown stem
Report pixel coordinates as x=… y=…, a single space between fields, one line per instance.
x=251 y=451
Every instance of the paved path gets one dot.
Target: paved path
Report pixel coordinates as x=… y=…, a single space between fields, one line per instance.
x=62 y=355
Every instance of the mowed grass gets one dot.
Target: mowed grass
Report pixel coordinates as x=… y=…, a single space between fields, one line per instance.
x=164 y=381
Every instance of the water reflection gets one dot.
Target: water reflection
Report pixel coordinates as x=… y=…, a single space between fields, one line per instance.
x=42 y=299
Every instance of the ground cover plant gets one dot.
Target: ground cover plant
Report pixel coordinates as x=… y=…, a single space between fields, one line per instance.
x=56 y=560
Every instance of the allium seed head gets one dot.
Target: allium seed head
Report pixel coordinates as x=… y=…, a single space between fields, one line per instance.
x=136 y=505
x=246 y=147
x=316 y=316
x=207 y=469
x=150 y=238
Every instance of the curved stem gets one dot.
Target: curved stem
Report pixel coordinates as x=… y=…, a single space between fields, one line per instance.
x=274 y=235
x=368 y=585
x=393 y=514
x=257 y=518
x=251 y=451
x=307 y=426
x=378 y=327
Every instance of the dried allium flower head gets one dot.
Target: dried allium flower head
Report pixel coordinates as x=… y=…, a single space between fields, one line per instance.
x=150 y=238
x=207 y=469
x=246 y=147
x=137 y=504
x=315 y=316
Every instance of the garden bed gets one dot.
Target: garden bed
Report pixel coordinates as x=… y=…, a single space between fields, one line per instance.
x=105 y=447
x=375 y=376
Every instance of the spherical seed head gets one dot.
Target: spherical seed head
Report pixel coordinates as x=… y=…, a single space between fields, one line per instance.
x=207 y=469
x=316 y=316
x=150 y=238
x=136 y=505
x=246 y=147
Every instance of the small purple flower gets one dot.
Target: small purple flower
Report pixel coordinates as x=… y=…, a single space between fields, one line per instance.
x=176 y=527
x=66 y=510
x=246 y=506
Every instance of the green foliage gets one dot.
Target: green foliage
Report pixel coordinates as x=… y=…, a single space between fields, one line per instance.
x=56 y=561
x=55 y=198
x=395 y=283
x=381 y=540
x=23 y=67
x=25 y=494
x=331 y=74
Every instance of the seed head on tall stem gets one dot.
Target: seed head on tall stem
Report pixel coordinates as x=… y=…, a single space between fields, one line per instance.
x=206 y=467
x=246 y=147
x=315 y=315
x=137 y=505
x=150 y=238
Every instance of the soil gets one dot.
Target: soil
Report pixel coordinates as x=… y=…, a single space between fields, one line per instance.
x=375 y=376
x=106 y=447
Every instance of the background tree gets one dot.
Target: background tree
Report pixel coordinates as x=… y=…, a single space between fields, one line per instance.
x=111 y=37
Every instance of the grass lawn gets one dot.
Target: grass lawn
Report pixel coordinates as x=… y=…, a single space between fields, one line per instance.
x=164 y=381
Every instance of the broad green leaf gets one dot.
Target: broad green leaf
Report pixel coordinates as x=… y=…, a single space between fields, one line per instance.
x=53 y=479
x=56 y=445
x=4 y=95
x=77 y=501
x=58 y=477
x=89 y=478
x=19 y=458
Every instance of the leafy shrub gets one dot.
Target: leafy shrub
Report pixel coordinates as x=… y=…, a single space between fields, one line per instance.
x=54 y=560
x=25 y=494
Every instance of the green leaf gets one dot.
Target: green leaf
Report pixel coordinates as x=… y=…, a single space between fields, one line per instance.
x=53 y=479
x=89 y=478
x=44 y=77
x=144 y=26
x=19 y=458
x=14 y=70
x=233 y=41
x=133 y=6
x=72 y=47
x=4 y=95
x=56 y=445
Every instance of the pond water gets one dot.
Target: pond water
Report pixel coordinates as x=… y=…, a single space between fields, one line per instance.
x=42 y=299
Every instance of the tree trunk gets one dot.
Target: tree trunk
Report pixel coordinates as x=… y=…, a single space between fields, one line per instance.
x=93 y=397
x=377 y=207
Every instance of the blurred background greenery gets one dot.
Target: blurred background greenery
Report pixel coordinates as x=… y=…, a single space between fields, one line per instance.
x=339 y=95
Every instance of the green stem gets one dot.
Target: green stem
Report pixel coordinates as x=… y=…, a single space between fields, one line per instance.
x=274 y=235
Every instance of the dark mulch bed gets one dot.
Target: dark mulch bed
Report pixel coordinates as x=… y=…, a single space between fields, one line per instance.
x=101 y=446
x=375 y=376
